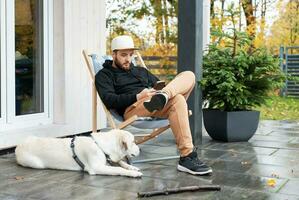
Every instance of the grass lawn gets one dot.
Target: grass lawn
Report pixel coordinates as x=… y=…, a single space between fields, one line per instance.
x=280 y=108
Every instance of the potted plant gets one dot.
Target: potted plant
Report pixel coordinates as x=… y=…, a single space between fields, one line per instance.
x=236 y=78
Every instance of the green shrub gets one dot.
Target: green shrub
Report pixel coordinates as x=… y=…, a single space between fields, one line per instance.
x=236 y=75
x=239 y=79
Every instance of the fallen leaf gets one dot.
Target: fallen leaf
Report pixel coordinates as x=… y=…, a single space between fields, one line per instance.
x=19 y=178
x=271 y=182
x=275 y=175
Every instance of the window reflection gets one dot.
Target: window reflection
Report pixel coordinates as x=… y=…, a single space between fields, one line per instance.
x=28 y=57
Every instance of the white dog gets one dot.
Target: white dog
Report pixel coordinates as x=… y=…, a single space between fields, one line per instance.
x=91 y=151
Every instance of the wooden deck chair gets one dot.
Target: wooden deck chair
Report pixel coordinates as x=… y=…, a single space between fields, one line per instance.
x=158 y=125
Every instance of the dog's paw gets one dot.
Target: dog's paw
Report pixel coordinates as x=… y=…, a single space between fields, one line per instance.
x=133 y=168
x=135 y=174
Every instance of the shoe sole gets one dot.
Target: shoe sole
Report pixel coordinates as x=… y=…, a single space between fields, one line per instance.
x=154 y=104
x=184 y=169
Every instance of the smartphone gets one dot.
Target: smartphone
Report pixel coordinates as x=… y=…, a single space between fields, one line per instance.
x=159 y=85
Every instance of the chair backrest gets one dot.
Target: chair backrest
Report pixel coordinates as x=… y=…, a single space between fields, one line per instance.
x=92 y=68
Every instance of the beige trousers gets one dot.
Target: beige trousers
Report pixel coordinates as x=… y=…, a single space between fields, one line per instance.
x=176 y=110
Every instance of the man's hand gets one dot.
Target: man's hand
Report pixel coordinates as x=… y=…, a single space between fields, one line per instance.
x=145 y=93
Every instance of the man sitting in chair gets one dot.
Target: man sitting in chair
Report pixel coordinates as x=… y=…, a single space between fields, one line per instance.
x=129 y=90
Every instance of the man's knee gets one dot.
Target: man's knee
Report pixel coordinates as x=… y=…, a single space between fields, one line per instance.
x=189 y=75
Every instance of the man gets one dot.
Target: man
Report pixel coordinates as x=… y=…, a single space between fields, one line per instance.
x=129 y=90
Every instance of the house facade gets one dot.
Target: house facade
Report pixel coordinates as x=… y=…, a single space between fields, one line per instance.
x=45 y=89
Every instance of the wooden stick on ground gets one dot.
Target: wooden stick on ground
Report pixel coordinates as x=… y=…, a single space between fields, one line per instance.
x=180 y=189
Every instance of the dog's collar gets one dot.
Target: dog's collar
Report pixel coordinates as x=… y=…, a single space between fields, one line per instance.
x=78 y=161
x=106 y=155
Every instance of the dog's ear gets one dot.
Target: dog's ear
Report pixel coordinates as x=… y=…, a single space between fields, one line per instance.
x=124 y=145
x=123 y=142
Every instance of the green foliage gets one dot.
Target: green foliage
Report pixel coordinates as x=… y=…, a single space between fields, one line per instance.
x=280 y=108
x=238 y=77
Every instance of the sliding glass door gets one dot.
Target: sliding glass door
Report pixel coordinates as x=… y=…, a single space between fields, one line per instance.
x=29 y=67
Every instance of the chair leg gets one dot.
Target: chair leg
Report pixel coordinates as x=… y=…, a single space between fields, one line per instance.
x=94 y=109
x=155 y=159
x=127 y=122
x=152 y=135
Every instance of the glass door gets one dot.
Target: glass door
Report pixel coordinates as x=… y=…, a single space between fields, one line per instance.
x=26 y=52
x=29 y=66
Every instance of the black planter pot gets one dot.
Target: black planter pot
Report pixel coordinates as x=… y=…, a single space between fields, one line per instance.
x=231 y=126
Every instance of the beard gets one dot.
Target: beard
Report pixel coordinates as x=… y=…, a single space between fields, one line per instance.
x=120 y=65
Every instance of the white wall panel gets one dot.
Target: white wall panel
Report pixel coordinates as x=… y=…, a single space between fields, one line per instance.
x=85 y=29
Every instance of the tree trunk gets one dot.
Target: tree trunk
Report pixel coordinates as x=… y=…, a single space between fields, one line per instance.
x=250 y=18
x=222 y=14
x=263 y=17
x=212 y=12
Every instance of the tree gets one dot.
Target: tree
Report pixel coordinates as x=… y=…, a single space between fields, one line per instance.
x=285 y=30
x=161 y=13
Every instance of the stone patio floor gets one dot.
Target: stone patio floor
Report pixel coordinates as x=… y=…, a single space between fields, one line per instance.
x=266 y=167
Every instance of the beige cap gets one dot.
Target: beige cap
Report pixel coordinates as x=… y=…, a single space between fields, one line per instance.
x=122 y=42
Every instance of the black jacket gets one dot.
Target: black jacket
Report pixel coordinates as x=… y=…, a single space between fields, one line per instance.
x=118 y=88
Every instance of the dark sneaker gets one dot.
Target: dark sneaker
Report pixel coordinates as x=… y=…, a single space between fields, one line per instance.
x=191 y=164
x=157 y=102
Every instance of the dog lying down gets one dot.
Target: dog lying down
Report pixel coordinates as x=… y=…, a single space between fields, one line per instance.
x=54 y=153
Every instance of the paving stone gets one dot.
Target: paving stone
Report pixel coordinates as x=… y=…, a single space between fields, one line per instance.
x=12 y=197
x=292 y=154
x=146 y=156
x=231 y=166
x=295 y=140
x=210 y=154
x=278 y=145
x=79 y=192
x=261 y=130
x=284 y=134
x=291 y=187
x=277 y=161
x=239 y=157
x=164 y=150
x=9 y=169
x=171 y=173
x=271 y=139
x=241 y=147
x=143 y=184
x=246 y=181
x=8 y=156
x=101 y=180
x=273 y=171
